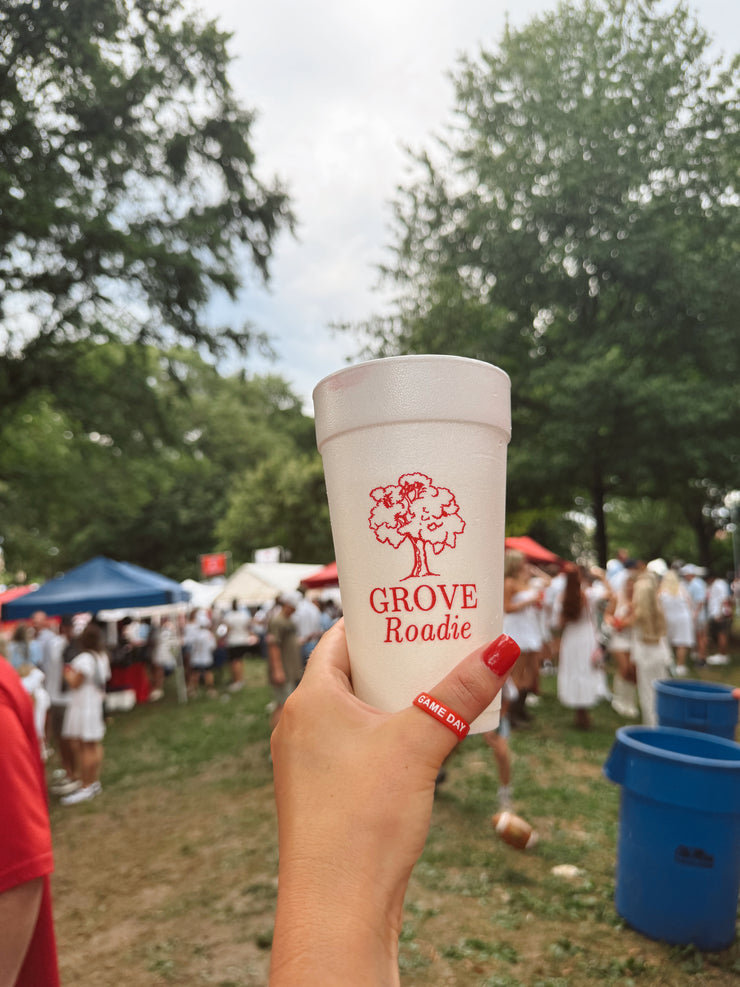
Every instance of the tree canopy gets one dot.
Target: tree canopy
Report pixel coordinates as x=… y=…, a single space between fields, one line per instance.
x=153 y=488
x=578 y=227
x=129 y=191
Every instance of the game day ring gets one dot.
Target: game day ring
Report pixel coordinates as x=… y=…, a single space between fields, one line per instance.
x=443 y=713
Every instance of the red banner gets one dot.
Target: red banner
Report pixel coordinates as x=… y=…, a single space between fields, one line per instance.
x=213 y=565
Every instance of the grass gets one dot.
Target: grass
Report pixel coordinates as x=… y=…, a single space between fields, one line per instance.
x=185 y=890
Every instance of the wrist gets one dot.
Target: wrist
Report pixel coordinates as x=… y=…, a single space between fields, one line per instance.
x=339 y=914
x=332 y=938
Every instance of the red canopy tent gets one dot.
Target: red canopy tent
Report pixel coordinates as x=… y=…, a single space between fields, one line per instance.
x=12 y=594
x=324 y=577
x=532 y=549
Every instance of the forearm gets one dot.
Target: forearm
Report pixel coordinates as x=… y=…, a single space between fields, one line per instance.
x=275 y=661
x=341 y=888
x=19 y=910
x=334 y=937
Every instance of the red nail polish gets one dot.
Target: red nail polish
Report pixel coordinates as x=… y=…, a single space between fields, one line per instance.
x=501 y=654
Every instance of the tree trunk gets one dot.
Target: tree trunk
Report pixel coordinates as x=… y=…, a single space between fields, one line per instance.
x=597 y=506
x=418 y=559
x=704 y=536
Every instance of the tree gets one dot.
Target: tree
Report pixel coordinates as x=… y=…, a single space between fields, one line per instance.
x=417 y=511
x=579 y=228
x=280 y=501
x=139 y=465
x=128 y=184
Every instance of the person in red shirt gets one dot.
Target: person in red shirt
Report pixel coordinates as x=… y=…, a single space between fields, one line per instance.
x=28 y=955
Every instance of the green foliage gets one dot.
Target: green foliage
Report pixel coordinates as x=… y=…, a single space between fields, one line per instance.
x=128 y=184
x=550 y=527
x=129 y=197
x=579 y=228
x=140 y=464
x=650 y=529
x=282 y=501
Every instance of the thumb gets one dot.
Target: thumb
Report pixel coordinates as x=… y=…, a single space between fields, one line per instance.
x=466 y=691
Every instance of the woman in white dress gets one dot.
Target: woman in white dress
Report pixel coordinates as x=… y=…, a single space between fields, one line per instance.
x=581 y=679
x=84 y=723
x=522 y=606
x=650 y=651
x=679 y=618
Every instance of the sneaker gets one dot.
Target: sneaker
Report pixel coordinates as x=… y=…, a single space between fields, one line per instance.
x=155 y=695
x=81 y=795
x=96 y=787
x=64 y=787
x=718 y=659
x=532 y=700
x=680 y=671
x=236 y=687
x=625 y=710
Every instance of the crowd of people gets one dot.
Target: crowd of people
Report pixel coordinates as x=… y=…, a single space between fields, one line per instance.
x=67 y=667
x=608 y=635
x=642 y=620
x=638 y=622
x=284 y=632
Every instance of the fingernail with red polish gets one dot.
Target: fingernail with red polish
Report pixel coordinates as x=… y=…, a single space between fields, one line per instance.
x=501 y=654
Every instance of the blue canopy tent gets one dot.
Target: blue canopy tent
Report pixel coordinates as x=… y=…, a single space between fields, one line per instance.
x=100 y=584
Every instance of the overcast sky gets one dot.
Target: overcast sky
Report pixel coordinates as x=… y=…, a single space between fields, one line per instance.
x=340 y=88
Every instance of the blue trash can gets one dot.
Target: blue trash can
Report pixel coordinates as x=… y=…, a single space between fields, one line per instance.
x=708 y=707
x=678 y=852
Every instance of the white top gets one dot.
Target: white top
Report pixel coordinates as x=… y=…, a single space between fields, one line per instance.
x=524 y=625
x=679 y=617
x=202 y=646
x=238 y=624
x=55 y=670
x=84 y=715
x=307 y=619
x=718 y=592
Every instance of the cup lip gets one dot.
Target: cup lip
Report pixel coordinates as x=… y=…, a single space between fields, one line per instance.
x=409 y=358
x=418 y=387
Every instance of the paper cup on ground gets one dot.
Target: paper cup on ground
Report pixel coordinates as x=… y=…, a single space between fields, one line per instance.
x=414 y=453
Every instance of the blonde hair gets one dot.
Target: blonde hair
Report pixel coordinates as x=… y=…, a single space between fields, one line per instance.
x=670 y=583
x=513 y=561
x=649 y=619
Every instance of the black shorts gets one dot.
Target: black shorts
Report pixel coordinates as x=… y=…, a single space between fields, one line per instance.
x=721 y=626
x=237 y=651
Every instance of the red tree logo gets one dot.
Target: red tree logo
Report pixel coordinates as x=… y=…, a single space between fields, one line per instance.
x=415 y=510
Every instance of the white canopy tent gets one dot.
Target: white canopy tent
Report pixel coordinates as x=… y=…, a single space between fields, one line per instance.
x=202 y=595
x=256 y=583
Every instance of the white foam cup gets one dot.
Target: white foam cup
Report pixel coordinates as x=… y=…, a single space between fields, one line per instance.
x=414 y=454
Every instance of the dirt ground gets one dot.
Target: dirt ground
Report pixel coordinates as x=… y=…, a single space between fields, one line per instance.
x=170 y=876
x=167 y=886
x=177 y=885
